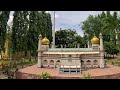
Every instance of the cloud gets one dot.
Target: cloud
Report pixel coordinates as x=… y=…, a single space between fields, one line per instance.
x=66 y=19
x=72 y=19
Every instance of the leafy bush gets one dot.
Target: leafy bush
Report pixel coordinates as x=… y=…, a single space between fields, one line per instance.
x=44 y=76
x=87 y=76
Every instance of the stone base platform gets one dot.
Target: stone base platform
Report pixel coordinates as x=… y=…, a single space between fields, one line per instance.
x=110 y=72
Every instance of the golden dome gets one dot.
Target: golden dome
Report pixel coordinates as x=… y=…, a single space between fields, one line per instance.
x=45 y=41
x=95 y=40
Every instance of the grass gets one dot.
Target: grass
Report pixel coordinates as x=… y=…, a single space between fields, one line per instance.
x=115 y=62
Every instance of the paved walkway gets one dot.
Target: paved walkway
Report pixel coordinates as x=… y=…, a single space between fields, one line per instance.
x=109 y=70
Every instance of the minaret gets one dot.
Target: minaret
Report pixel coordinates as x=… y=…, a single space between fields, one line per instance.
x=101 y=51
x=51 y=45
x=88 y=44
x=39 y=51
x=78 y=45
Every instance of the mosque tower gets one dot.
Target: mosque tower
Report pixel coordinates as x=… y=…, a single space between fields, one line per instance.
x=43 y=45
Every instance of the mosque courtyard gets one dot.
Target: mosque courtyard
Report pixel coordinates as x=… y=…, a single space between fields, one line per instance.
x=109 y=72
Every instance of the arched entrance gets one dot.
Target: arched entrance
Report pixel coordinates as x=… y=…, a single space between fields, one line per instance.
x=45 y=63
x=57 y=63
x=51 y=64
x=88 y=64
x=95 y=63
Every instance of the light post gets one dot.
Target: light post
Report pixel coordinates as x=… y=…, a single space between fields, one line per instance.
x=53 y=31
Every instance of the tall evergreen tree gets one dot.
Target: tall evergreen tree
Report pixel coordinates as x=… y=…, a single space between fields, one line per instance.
x=32 y=34
x=4 y=17
x=19 y=31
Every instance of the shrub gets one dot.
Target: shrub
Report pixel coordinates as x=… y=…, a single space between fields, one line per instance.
x=44 y=76
x=87 y=76
x=112 y=63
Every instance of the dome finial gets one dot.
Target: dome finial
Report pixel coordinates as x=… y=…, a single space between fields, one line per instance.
x=45 y=41
x=95 y=40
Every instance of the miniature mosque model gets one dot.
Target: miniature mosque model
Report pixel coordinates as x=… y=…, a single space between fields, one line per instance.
x=70 y=60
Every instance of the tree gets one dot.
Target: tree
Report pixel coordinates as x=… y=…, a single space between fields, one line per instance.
x=67 y=37
x=110 y=49
x=107 y=24
x=15 y=31
x=25 y=32
x=32 y=34
x=4 y=16
x=27 y=25
x=92 y=26
x=45 y=24
x=19 y=32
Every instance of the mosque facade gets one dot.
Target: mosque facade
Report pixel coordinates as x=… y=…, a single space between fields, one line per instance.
x=71 y=60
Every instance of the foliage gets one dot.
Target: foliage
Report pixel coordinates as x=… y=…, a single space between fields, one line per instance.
x=87 y=76
x=110 y=48
x=45 y=76
x=27 y=25
x=109 y=25
x=19 y=31
x=4 y=16
x=68 y=38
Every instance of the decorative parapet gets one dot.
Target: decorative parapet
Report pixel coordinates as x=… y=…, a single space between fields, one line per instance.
x=69 y=49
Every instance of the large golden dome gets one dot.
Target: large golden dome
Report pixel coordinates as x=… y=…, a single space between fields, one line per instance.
x=95 y=40
x=45 y=41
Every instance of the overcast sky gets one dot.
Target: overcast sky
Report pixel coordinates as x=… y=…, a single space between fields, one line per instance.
x=68 y=19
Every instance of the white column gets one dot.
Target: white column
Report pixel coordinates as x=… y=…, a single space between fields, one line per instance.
x=53 y=31
x=101 y=51
x=52 y=46
x=39 y=51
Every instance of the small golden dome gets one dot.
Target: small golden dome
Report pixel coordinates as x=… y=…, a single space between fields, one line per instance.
x=95 y=40
x=45 y=41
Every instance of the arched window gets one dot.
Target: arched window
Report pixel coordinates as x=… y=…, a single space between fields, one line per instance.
x=88 y=62
x=58 y=62
x=95 y=62
x=82 y=62
x=51 y=62
x=45 y=62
